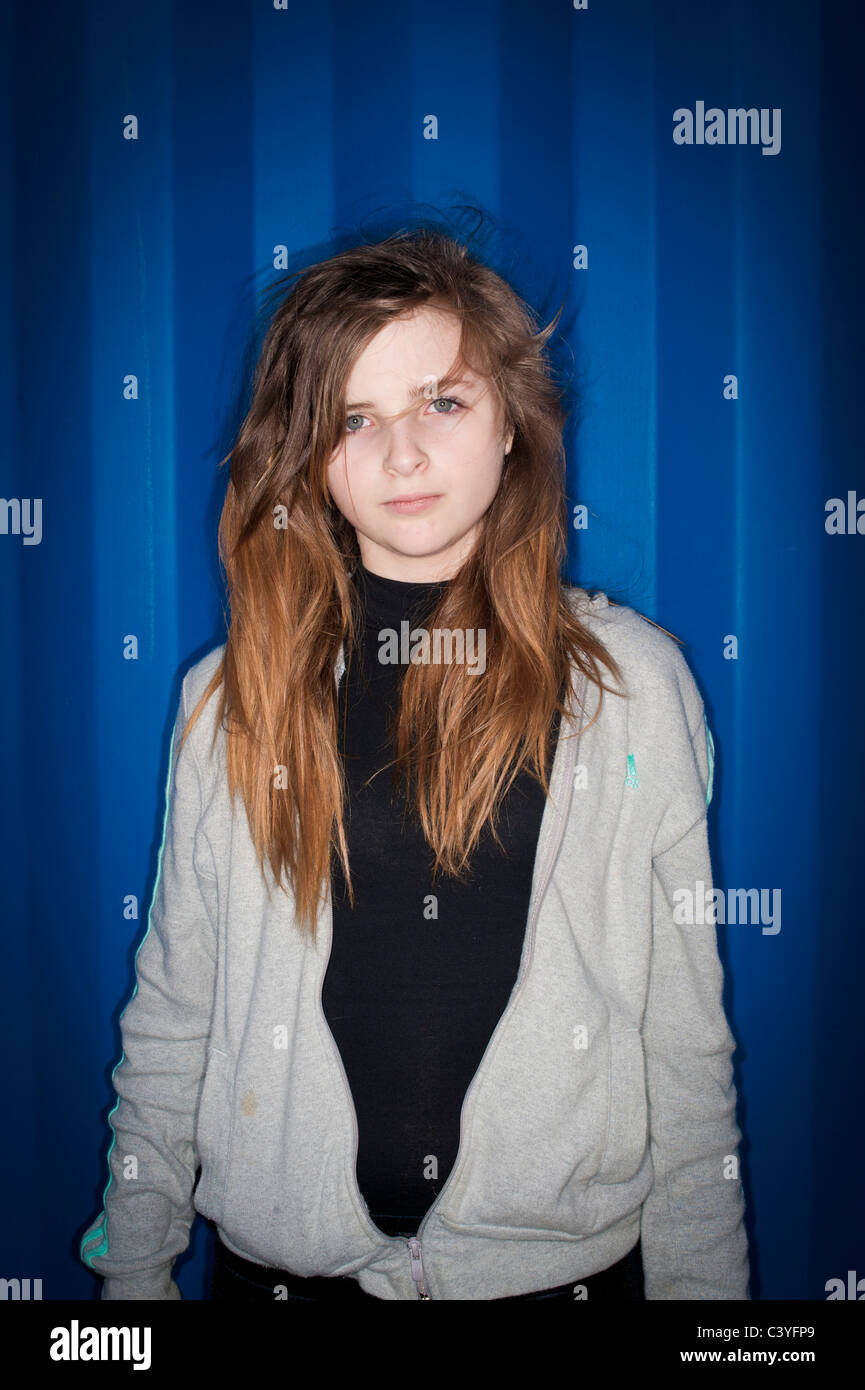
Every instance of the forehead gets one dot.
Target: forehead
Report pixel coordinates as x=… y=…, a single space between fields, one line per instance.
x=411 y=347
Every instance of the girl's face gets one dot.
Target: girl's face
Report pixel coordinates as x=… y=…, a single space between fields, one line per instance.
x=408 y=432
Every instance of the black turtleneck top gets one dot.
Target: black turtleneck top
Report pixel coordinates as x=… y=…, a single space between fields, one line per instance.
x=411 y=998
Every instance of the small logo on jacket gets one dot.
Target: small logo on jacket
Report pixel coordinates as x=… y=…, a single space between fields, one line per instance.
x=631 y=778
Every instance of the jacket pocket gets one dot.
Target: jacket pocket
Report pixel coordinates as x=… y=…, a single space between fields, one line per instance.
x=627 y=1127
x=212 y=1134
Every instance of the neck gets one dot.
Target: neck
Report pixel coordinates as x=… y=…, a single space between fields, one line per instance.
x=387 y=601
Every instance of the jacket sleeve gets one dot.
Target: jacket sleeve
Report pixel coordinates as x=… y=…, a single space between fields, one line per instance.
x=693 y=1238
x=147 y=1203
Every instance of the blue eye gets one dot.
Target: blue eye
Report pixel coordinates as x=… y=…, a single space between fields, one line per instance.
x=448 y=400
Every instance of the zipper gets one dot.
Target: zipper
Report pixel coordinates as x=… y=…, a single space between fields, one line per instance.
x=417 y=1266
x=413 y=1243
x=569 y=762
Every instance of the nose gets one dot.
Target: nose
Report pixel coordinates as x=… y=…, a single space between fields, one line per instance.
x=403 y=452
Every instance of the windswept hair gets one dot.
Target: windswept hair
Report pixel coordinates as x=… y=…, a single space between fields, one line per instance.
x=290 y=556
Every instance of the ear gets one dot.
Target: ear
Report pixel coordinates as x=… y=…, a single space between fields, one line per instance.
x=509 y=442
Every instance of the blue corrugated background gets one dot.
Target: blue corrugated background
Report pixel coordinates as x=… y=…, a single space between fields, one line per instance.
x=304 y=127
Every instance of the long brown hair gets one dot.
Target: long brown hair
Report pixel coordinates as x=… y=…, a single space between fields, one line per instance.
x=289 y=557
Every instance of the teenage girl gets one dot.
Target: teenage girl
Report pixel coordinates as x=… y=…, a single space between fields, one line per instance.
x=413 y=995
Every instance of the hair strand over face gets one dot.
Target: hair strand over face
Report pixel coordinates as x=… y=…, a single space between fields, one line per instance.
x=459 y=740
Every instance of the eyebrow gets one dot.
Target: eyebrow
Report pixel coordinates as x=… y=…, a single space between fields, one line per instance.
x=416 y=393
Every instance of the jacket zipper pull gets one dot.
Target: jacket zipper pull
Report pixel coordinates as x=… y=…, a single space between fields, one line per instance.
x=417 y=1266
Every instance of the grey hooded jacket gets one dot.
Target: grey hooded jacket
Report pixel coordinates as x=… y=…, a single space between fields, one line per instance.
x=603 y=1109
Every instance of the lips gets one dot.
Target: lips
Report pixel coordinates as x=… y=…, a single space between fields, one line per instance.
x=415 y=497
x=413 y=506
